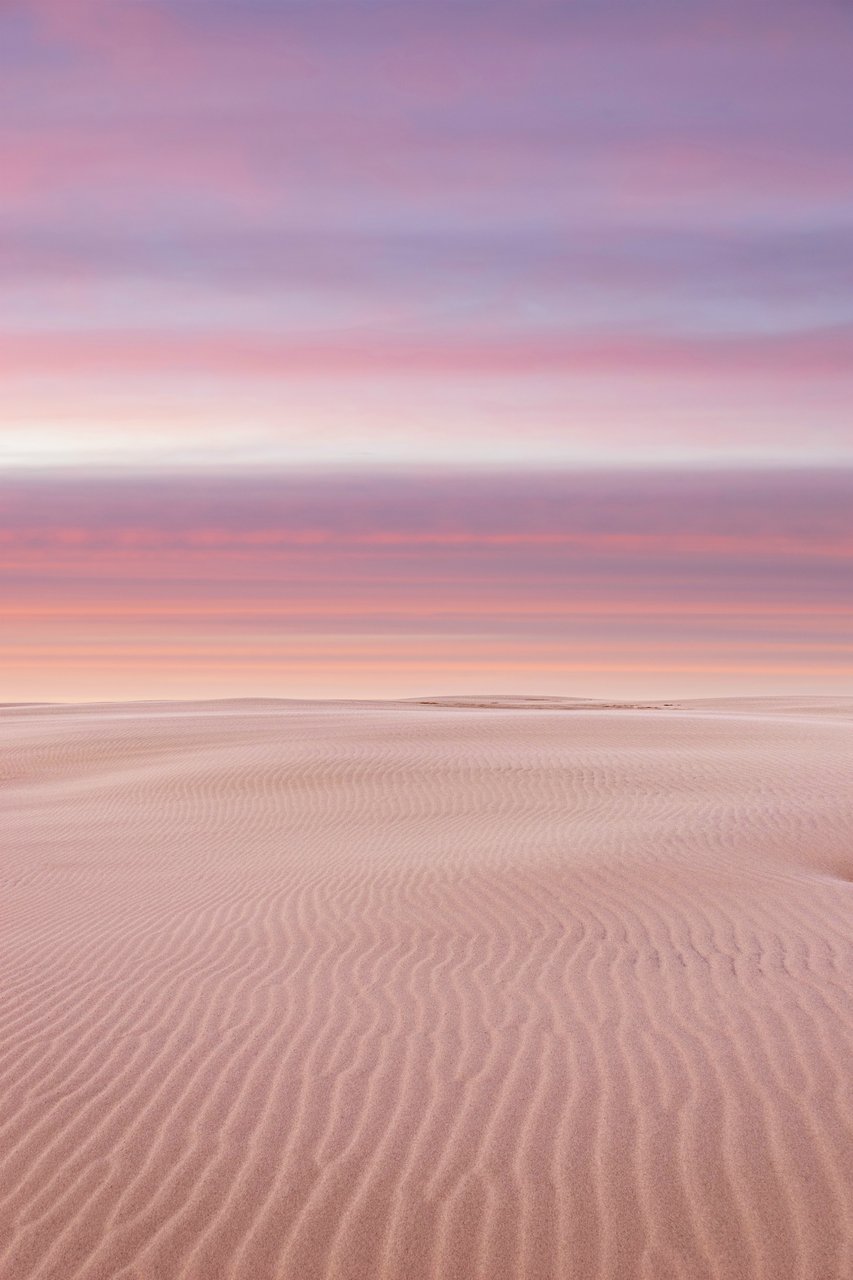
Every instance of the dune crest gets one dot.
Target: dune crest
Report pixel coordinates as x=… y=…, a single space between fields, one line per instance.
x=295 y=991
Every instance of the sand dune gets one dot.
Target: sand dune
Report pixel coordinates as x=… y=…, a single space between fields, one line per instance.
x=489 y=992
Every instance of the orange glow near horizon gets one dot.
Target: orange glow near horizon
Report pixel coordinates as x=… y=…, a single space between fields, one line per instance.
x=593 y=585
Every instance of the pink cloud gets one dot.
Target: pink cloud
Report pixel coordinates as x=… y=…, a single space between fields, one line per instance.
x=785 y=356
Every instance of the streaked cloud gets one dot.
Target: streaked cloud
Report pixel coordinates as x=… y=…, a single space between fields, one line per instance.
x=625 y=234
x=391 y=348
x=593 y=583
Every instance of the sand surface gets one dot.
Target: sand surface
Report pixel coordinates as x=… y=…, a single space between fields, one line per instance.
x=526 y=989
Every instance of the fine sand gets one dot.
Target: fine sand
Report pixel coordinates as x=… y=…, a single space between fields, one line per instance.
x=490 y=989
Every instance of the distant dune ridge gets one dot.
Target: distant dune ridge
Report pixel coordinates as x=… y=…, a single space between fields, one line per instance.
x=447 y=988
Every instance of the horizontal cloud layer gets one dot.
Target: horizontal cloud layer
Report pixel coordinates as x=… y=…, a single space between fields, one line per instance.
x=643 y=583
x=595 y=228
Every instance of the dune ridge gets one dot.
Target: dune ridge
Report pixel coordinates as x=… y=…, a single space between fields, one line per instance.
x=292 y=991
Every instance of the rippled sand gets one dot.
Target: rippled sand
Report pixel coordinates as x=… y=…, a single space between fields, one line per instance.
x=477 y=989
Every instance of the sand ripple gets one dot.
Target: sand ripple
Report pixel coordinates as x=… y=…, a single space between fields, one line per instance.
x=426 y=990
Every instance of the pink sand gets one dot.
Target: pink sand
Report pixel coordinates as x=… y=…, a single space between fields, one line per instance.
x=397 y=991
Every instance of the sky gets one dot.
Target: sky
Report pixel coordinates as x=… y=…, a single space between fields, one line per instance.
x=365 y=349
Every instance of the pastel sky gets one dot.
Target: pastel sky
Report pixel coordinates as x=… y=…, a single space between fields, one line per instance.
x=373 y=348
